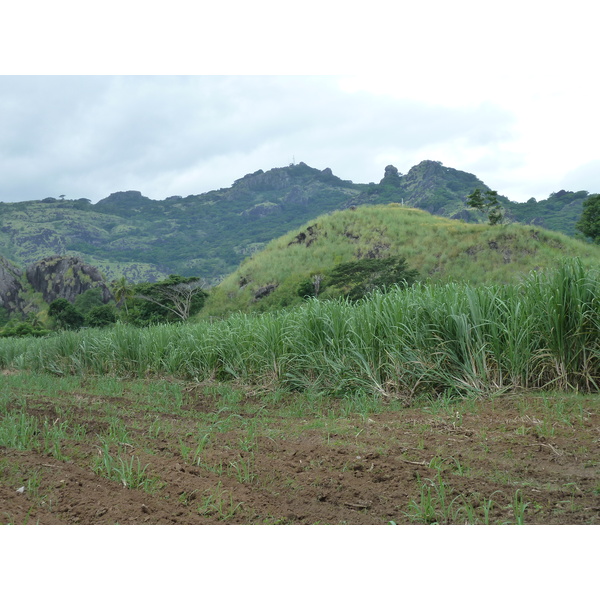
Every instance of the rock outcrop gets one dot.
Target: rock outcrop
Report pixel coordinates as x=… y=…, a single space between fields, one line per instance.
x=275 y=179
x=391 y=176
x=10 y=287
x=65 y=277
x=261 y=210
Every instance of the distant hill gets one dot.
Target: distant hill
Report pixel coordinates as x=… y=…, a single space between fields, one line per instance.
x=210 y=234
x=440 y=249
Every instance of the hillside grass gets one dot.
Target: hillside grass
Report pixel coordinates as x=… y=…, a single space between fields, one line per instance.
x=441 y=250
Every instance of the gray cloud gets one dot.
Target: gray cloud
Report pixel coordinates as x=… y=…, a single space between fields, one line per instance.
x=586 y=177
x=90 y=136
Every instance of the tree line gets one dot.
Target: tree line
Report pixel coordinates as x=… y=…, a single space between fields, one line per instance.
x=173 y=299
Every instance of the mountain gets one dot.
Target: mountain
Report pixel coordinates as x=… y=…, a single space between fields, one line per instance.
x=210 y=234
x=430 y=186
x=206 y=235
x=440 y=249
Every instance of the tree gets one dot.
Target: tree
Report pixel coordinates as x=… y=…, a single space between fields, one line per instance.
x=65 y=315
x=122 y=292
x=311 y=287
x=89 y=299
x=360 y=277
x=176 y=296
x=101 y=316
x=589 y=223
x=357 y=278
x=487 y=203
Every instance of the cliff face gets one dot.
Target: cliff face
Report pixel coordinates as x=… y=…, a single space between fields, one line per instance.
x=65 y=277
x=10 y=287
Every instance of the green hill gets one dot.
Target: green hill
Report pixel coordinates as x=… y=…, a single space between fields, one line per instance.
x=439 y=249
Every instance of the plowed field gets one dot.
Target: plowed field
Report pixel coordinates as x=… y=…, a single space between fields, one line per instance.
x=105 y=451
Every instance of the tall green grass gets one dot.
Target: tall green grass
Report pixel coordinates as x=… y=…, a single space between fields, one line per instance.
x=541 y=333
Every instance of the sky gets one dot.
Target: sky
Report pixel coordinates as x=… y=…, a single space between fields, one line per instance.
x=182 y=102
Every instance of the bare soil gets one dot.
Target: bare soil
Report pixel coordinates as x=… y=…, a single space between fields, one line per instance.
x=504 y=460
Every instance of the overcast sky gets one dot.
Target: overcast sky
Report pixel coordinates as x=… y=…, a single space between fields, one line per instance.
x=506 y=93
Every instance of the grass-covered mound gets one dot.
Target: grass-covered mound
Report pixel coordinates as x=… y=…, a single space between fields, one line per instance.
x=441 y=250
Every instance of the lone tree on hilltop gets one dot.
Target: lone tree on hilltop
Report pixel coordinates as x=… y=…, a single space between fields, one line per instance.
x=487 y=203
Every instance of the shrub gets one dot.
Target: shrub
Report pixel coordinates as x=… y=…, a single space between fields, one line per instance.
x=101 y=316
x=65 y=315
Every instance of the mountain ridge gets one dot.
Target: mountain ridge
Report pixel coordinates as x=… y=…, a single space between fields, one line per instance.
x=210 y=234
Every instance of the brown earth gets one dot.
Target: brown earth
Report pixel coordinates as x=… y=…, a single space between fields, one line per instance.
x=259 y=461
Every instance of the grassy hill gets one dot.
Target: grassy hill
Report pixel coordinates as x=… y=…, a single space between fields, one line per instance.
x=439 y=249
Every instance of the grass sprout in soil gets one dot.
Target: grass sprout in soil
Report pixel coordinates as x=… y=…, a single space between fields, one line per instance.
x=94 y=450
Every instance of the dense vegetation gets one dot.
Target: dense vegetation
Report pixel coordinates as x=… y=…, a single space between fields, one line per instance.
x=453 y=338
x=171 y=300
x=345 y=254
x=559 y=212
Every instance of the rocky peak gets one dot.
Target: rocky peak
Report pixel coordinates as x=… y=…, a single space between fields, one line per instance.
x=391 y=176
x=275 y=179
x=426 y=169
x=282 y=178
x=130 y=197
